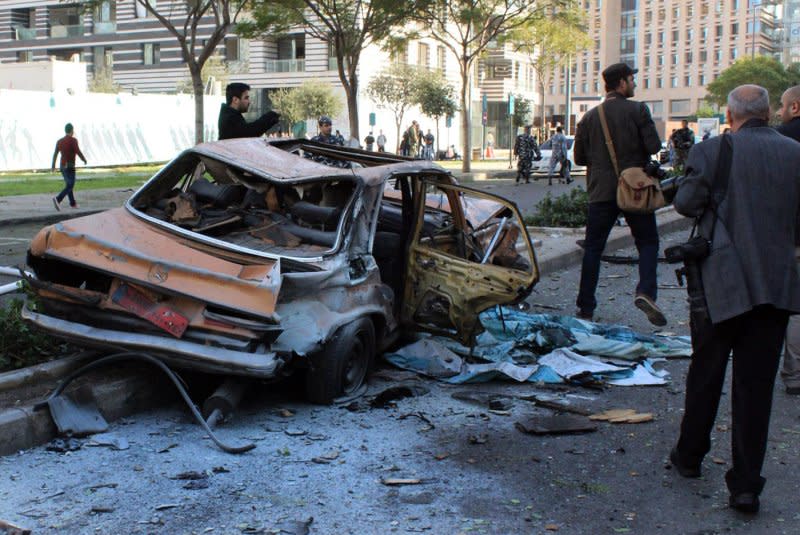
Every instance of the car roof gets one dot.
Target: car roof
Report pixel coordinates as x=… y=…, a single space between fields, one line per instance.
x=272 y=159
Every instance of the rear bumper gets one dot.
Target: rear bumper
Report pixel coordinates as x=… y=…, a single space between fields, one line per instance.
x=181 y=354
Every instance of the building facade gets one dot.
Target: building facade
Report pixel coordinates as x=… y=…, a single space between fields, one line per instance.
x=679 y=46
x=122 y=43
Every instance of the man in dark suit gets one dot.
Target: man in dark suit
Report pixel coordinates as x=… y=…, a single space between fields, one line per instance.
x=750 y=283
x=231 y=122
x=635 y=138
x=789 y=115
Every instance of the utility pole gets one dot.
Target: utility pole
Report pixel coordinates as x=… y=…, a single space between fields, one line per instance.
x=568 y=106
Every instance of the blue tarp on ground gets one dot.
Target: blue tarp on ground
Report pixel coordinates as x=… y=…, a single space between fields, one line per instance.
x=544 y=348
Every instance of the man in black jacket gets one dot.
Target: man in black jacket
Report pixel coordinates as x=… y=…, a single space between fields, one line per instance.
x=789 y=115
x=232 y=124
x=635 y=138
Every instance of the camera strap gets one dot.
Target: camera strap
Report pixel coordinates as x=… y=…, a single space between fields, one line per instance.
x=719 y=187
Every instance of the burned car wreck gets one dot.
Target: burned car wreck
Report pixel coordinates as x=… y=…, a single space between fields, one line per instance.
x=245 y=258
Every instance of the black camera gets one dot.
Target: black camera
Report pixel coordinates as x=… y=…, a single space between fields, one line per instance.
x=695 y=249
x=653 y=169
x=691 y=253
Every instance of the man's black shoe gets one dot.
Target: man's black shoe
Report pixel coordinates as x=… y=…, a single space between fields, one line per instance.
x=745 y=502
x=683 y=469
x=793 y=390
x=580 y=314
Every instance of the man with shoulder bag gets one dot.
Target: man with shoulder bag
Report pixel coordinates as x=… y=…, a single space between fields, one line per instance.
x=744 y=188
x=614 y=140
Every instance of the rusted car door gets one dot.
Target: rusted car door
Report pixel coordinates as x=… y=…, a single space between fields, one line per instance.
x=481 y=257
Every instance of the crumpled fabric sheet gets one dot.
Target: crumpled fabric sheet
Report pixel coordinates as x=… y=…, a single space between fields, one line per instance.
x=544 y=348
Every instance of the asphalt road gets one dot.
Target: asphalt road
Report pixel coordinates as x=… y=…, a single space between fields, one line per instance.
x=476 y=472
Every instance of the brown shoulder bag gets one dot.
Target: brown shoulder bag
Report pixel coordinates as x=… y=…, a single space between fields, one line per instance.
x=637 y=192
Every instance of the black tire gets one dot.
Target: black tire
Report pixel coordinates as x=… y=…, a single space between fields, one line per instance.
x=344 y=363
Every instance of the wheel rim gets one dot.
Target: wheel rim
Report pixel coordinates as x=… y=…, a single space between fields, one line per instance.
x=355 y=368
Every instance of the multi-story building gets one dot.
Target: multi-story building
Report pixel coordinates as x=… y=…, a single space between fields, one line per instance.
x=679 y=46
x=124 y=43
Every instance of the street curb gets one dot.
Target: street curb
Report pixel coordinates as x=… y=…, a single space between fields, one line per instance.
x=47 y=219
x=53 y=370
x=23 y=427
x=670 y=221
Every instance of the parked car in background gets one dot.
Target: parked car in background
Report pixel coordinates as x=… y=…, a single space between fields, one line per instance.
x=546 y=148
x=243 y=257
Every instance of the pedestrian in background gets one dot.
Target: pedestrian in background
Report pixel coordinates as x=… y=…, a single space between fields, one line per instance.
x=789 y=115
x=381 y=142
x=526 y=150
x=231 y=123
x=369 y=141
x=682 y=141
x=558 y=155
x=750 y=283
x=68 y=147
x=635 y=138
x=427 y=148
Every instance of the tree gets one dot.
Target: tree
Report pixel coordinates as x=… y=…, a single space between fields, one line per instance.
x=762 y=70
x=348 y=26
x=215 y=68
x=395 y=89
x=467 y=28
x=103 y=82
x=188 y=22
x=436 y=98
x=308 y=101
x=551 y=41
x=522 y=111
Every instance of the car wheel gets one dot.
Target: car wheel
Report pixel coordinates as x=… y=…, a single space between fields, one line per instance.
x=342 y=366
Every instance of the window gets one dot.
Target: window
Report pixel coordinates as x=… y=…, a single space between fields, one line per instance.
x=233 y=49
x=674 y=59
x=441 y=58
x=703 y=56
x=424 y=55
x=687 y=80
x=103 y=59
x=661 y=38
x=689 y=35
x=718 y=30
x=105 y=17
x=648 y=17
x=583 y=108
x=24 y=56
x=647 y=61
x=673 y=81
x=704 y=33
x=151 y=54
x=676 y=13
x=656 y=108
x=585 y=87
x=659 y=82
x=680 y=107
x=648 y=38
x=647 y=83
x=688 y=57
x=734 y=53
x=735 y=28
x=702 y=79
x=717 y=56
x=141 y=11
x=675 y=36
x=660 y=60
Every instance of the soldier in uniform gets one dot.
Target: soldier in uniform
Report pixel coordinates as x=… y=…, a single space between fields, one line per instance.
x=526 y=150
x=325 y=136
x=682 y=140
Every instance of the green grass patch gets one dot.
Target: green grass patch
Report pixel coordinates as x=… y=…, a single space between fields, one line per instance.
x=566 y=210
x=33 y=182
x=21 y=346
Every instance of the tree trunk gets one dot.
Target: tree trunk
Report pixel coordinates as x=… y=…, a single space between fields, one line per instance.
x=352 y=107
x=544 y=115
x=398 y=122
x=436 y=156
x=466 y=157
x=197 y=86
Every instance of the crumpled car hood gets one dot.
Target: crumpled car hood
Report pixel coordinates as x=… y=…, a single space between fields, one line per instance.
x=118 y=243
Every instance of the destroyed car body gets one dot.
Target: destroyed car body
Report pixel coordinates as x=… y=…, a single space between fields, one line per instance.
x=242 y=257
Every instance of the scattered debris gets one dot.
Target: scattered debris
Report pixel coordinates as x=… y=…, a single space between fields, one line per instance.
x=165 y=449
x=291 y=527
x=197 y=484
x=101 y=509
x=63 y=445
x=622 y=416
x=558 y=424
x=79 y=417
x=103 y=486
x=422 y=417
x=396 y=393
x=166 y=506
x=398 y=481
x=478 y=439
x=294 y=432
x=7 y=528
x=326 y=458
x=286 y=413
x=108 y=440
x=190 y=476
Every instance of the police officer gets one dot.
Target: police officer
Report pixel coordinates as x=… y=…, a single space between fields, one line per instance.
x=326 y=136
x=525 y=147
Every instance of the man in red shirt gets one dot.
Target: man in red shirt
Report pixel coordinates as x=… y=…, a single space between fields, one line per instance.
x=68 y=147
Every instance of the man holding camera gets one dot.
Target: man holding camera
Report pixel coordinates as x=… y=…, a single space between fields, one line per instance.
x=789 y=115
x=750 y=283
x=635 y=138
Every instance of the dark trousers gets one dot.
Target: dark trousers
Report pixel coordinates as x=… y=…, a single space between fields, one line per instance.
x=69 y=180
x=602 y=216
x=755 y=338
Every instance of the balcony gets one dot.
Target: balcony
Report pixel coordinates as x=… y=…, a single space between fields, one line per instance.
x=285 y=65
x=73 y=30
x=21 y=34
x=105 y=27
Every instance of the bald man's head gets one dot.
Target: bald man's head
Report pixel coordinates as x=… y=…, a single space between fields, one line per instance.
x=748 y=101
x=790 y=104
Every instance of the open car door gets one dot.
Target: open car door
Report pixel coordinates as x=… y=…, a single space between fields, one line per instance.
x=469 y=251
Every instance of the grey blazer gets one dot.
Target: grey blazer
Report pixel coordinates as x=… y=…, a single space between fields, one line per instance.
x=752 y=260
